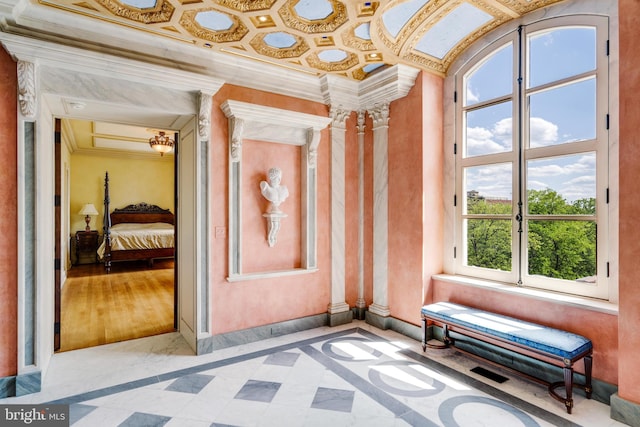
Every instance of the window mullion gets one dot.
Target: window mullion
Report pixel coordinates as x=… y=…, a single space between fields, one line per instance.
x=519 y=151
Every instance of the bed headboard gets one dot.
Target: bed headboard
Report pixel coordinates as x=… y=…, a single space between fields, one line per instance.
x=141 y=213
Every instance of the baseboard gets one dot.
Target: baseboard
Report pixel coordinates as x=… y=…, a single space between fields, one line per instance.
x=20 y=385
x=625 y=411
x=7 y=387
x=230 y=339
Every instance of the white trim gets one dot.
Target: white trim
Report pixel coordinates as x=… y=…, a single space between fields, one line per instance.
x=282 y=127
x=607 y=245
x=538 y=294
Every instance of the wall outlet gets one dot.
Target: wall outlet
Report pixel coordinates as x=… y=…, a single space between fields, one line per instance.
x=221 y=232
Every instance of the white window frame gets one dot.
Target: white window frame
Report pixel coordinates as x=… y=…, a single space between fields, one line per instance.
x=601 y=146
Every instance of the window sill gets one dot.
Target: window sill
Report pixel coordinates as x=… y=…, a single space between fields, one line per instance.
x=553 y=297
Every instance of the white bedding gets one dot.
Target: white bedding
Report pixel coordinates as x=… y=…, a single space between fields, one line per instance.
x=139 y=236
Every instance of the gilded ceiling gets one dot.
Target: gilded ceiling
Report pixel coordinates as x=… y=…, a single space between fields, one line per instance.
x=350 y=38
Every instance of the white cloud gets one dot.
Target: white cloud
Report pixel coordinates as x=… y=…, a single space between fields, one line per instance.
x=542 y=133
x=494 y=181
x=480 y=141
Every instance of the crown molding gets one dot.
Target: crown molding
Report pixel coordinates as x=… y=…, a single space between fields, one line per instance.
x=52 y=38
x=106 y=65
x=340 y=92
x=274 y=124
x=387 y=86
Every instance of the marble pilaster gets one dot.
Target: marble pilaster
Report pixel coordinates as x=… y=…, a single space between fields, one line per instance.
x=360 y=301
x=338 y=252
x=380 y=115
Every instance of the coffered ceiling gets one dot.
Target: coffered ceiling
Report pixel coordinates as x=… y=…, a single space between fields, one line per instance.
x=349 y=38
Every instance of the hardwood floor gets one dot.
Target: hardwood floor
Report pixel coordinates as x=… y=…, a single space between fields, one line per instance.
x=133 y=301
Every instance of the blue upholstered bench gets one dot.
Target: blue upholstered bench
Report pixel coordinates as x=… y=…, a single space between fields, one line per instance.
x=553 y=346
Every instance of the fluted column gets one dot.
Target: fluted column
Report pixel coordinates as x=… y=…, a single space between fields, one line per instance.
x=360 y=302
x=380 y=306
x=338 y=309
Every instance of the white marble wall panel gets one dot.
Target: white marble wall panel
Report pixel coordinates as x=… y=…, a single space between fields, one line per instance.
x=338 y=252
x=380 y=117
x=360 y=302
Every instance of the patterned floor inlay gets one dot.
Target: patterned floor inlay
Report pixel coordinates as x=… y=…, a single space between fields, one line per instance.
x=350 y=377
x=190 y=383
x=139 y=419
x=258 y=391
x=333 y=399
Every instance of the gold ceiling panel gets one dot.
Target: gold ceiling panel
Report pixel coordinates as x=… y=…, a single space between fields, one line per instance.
x=350 y=39
x=247 y=5
x=235 y=33
x=291 y=19
x=294 y=51
x=364 y=31
x=349 y=62
x=162 y=12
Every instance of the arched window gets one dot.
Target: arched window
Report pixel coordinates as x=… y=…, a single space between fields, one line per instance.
x=531 y=158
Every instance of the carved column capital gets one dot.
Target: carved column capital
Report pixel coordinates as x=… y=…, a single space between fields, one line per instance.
x=361 y=119
x=27 y=88
x=339 y=116
x=380 y=114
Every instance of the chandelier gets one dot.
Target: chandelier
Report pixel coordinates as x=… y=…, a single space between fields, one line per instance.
x=161 y=143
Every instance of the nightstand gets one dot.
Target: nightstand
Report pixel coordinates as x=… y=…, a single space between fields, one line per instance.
x=86 y=247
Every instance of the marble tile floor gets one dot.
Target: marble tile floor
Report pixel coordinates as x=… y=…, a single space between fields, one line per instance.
x=350 y=375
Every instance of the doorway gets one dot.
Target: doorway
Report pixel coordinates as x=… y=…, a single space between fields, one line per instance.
x=136 y=298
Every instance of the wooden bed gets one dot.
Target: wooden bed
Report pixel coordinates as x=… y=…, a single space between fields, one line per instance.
x=143 y=214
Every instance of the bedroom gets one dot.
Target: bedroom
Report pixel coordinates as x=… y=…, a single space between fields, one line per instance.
x=136 y=298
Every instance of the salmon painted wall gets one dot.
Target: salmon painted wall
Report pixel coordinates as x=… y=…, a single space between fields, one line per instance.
x=629 y=319
x=9 y=209
x=246 y=304
x=257 y=158
x=415 y=195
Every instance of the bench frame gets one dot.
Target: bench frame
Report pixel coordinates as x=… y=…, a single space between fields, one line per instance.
x=552 y=359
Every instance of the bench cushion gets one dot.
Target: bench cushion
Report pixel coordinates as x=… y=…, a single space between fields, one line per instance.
x=551 y=341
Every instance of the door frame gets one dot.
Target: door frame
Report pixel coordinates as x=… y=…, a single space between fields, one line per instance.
x=66 y=74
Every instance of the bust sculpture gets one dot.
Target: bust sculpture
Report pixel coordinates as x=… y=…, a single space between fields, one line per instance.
x=273 y=191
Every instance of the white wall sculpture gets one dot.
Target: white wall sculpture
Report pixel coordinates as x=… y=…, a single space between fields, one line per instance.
x=275 y=193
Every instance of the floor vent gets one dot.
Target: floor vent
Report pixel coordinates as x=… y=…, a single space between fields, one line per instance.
x=488 y=374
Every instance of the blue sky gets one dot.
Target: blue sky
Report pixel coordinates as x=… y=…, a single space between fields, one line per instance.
x=558 y=114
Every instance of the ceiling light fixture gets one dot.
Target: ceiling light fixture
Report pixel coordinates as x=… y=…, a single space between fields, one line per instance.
x=161 y=143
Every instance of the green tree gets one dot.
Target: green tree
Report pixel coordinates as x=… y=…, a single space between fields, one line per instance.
x=563 y=249
x=489 y=240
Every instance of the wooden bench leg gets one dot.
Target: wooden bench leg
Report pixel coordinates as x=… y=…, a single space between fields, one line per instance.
x=424 y=334
x=568 y=385
x=588 y=362
x=425 y=338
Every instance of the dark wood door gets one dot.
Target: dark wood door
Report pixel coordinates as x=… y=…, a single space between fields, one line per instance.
x=58 y=227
